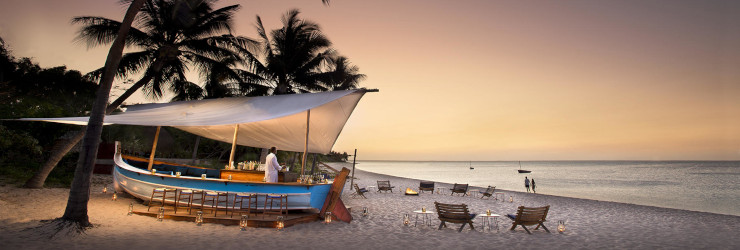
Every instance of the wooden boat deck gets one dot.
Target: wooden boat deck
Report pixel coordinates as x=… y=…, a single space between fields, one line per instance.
x=254 y=220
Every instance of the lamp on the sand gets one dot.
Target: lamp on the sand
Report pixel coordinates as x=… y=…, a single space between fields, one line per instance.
x=511 y=199
x=131 y=209
x=160 y=215
x=243 y=223
x=199 y=218
x=280 y=223
x=406 y=220
x=105 y=190
x=327 y=218
x=364 y=212
x=114 y=196
x=561 y=226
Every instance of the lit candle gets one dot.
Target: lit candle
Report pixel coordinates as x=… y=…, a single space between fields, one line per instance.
x=365 y=212
x=488 y=212
x=423 y=209
x=406 y=220
x=177 y=174
x=561 y=226
x=229 y=177
x=105 y=190
x=203 y=176
x=154 y=171
x=114 y=196
x=511 y=199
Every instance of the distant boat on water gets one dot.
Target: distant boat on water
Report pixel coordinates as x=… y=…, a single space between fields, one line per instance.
x=522 y=170
x=470 y=165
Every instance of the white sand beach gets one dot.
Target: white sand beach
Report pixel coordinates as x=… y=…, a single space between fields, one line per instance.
x=590 y=224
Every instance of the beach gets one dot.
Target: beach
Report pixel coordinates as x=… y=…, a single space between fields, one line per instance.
x=590 y=224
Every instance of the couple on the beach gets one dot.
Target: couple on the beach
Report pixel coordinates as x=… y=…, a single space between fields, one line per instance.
x=526 y=184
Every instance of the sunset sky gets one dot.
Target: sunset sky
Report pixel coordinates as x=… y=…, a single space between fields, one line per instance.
x=493 y=80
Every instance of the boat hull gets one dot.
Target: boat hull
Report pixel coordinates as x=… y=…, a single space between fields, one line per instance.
x=140 y=183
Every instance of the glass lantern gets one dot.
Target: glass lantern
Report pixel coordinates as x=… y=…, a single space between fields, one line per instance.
x=280 y=223
x=243 y=223
x=130 y=209
x=203 y=176
x=488 y=212
x=365 y=212
x=423 y=209
x=154 y=171
x=511 y=199
x=114 y=196
x=406 y=220
x=160 y=215
x=327 y=218
x=199 y=218
x=177 y=174
x=105 y=190
x=561 y=226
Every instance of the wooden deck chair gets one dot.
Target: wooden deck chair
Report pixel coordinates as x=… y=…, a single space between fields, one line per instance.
x=527 y=216
x=460 y=189
x=359 y=192
x=426 y=186
x=488 y=193
x=385 y=186
x=454 y=213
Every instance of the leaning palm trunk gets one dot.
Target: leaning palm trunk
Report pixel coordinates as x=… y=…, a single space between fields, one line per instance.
x=79 y=193
x=62 y=147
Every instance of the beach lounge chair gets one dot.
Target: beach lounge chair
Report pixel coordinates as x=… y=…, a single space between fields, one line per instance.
x=385 y=186
x=454 y=213
x=527 y=216
x=359 y=192
x=488 y=193
x=460 y=189
x=426 y=186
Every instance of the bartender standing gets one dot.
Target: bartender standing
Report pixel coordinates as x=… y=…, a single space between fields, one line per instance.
x=272 y=167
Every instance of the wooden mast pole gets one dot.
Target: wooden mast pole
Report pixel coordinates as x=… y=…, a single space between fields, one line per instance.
x=305 y=147
x=233 y=147
x=154 y=148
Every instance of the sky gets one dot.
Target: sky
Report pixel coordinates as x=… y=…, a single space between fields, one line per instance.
x=493 y=80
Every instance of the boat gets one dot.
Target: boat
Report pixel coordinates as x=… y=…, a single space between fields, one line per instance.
x=522 y=171
x=470 y=165
x=283 y=121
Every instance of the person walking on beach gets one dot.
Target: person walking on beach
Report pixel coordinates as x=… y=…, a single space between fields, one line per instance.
x=533 y=186
x=526 y=183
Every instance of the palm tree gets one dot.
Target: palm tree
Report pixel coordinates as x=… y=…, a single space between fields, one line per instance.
x=175 y=34
x=342 y=75
x=295 y=54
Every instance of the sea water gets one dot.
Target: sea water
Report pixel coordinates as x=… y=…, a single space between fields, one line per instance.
x=707 y=186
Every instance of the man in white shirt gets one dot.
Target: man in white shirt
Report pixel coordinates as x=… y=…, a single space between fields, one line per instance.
x=272 y=167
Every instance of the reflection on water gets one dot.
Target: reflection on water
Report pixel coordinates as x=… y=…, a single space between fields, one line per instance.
x=700 y=186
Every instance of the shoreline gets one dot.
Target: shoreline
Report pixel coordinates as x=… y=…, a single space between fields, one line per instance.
x=590 y=224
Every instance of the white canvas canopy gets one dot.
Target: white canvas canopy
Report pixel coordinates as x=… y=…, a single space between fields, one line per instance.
x=262 y=122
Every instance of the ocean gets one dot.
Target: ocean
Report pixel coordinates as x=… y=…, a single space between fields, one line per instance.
x=706 y=186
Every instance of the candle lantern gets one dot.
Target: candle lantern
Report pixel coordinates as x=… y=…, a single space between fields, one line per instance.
x=154 y=171
x=327 y=218
x=199 y=218
x=561 y=226
x=488 y=212
x=364 y=212
x=177 y=174
x=423 y=209
x=406 y=220
x=131 y=209
x=229 y=177
x=280 y=223
x=511 y=199
x=114 y=196
x=160 y=215
x=438 y=191
x=105 y=190
x=203 y=176
x=243 y=223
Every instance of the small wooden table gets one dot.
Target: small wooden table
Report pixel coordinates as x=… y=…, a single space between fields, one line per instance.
x=424 y=217
x=487 y=221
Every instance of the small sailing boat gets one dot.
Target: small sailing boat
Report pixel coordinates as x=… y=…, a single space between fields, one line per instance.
x=470 y=165
x=522 y=170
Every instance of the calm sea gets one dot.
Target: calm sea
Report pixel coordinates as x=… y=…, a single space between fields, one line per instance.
x=692 y=185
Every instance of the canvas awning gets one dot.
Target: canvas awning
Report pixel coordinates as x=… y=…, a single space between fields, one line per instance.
x=263 y=121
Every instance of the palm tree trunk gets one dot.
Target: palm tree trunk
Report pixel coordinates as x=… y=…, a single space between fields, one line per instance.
x=62 y=147
x=79 y=193
x=195 y=149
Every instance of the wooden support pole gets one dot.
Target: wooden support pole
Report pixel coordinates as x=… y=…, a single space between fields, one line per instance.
x=233 y=147
x=154 y=149
x=305 y=148
x=354 y=160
